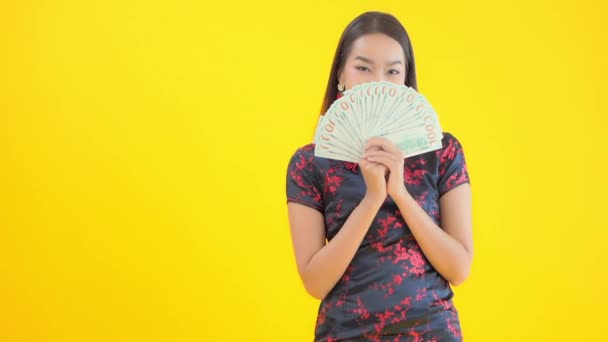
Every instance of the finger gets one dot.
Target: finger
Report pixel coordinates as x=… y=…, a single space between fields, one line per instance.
x=388 y=162
x=393 y=156
x=381 y=142
x=370 y=165
x=373 y=148
x=367 y=164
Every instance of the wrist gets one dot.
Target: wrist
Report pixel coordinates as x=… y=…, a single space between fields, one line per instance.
x=372 y=200
x=401 y=194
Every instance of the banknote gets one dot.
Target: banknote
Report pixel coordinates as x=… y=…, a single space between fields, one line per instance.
x=396 y=112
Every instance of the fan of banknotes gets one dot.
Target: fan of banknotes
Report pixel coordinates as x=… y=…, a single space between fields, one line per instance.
x=393 y=111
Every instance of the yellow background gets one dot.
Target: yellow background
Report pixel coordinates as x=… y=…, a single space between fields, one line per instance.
x=143 y=150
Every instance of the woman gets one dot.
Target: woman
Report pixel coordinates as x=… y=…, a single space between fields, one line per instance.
x=379 y=242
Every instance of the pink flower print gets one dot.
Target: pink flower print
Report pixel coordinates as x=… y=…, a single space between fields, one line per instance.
x=351 y=166
x=332 y=181
x=417 y=261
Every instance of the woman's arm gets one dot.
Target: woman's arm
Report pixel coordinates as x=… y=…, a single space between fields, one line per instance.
x=449 y=250
x=321 y=265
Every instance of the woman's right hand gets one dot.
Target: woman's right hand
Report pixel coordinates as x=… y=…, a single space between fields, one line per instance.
x=374 y=175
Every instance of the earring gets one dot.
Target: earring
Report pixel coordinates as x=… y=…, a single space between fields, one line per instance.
x=340 y=87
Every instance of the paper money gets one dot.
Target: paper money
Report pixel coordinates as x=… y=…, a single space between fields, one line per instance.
x=395 y=112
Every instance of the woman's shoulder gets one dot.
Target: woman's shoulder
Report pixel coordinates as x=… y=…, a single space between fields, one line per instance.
x=308 y=149
x=305 y=153
x=450 y=149
x=449 y=145
x=448 y=139
x=304 y=157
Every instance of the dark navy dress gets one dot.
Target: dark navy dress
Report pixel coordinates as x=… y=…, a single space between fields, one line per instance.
x=389 y=292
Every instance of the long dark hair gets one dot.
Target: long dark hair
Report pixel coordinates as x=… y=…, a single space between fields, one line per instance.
x=366 y=23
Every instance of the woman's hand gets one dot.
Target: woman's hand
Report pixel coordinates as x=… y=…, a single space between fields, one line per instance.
x=383 y=151
x=374 y=175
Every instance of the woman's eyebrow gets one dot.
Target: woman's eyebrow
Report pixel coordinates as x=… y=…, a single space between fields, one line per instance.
x=369 y=61
x=366 y=60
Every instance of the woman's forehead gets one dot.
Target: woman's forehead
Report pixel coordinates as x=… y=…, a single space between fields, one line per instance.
x=376 y=48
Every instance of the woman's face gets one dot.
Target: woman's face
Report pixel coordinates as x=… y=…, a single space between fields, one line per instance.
x=373 y=57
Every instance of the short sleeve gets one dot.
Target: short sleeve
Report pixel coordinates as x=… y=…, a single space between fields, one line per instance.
x=302 y=185
x=452 y=165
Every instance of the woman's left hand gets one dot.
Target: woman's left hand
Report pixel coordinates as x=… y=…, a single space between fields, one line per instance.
x=383 y=151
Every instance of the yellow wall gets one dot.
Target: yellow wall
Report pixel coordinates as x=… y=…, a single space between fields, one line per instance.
x=143 y=149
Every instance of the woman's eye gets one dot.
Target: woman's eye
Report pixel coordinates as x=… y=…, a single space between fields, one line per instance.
x=362 y=68
x=394 y=72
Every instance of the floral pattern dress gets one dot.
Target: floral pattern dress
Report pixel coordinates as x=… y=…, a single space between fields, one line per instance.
x=390 y=291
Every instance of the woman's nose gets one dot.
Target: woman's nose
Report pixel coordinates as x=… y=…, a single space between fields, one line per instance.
x=378 y=76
